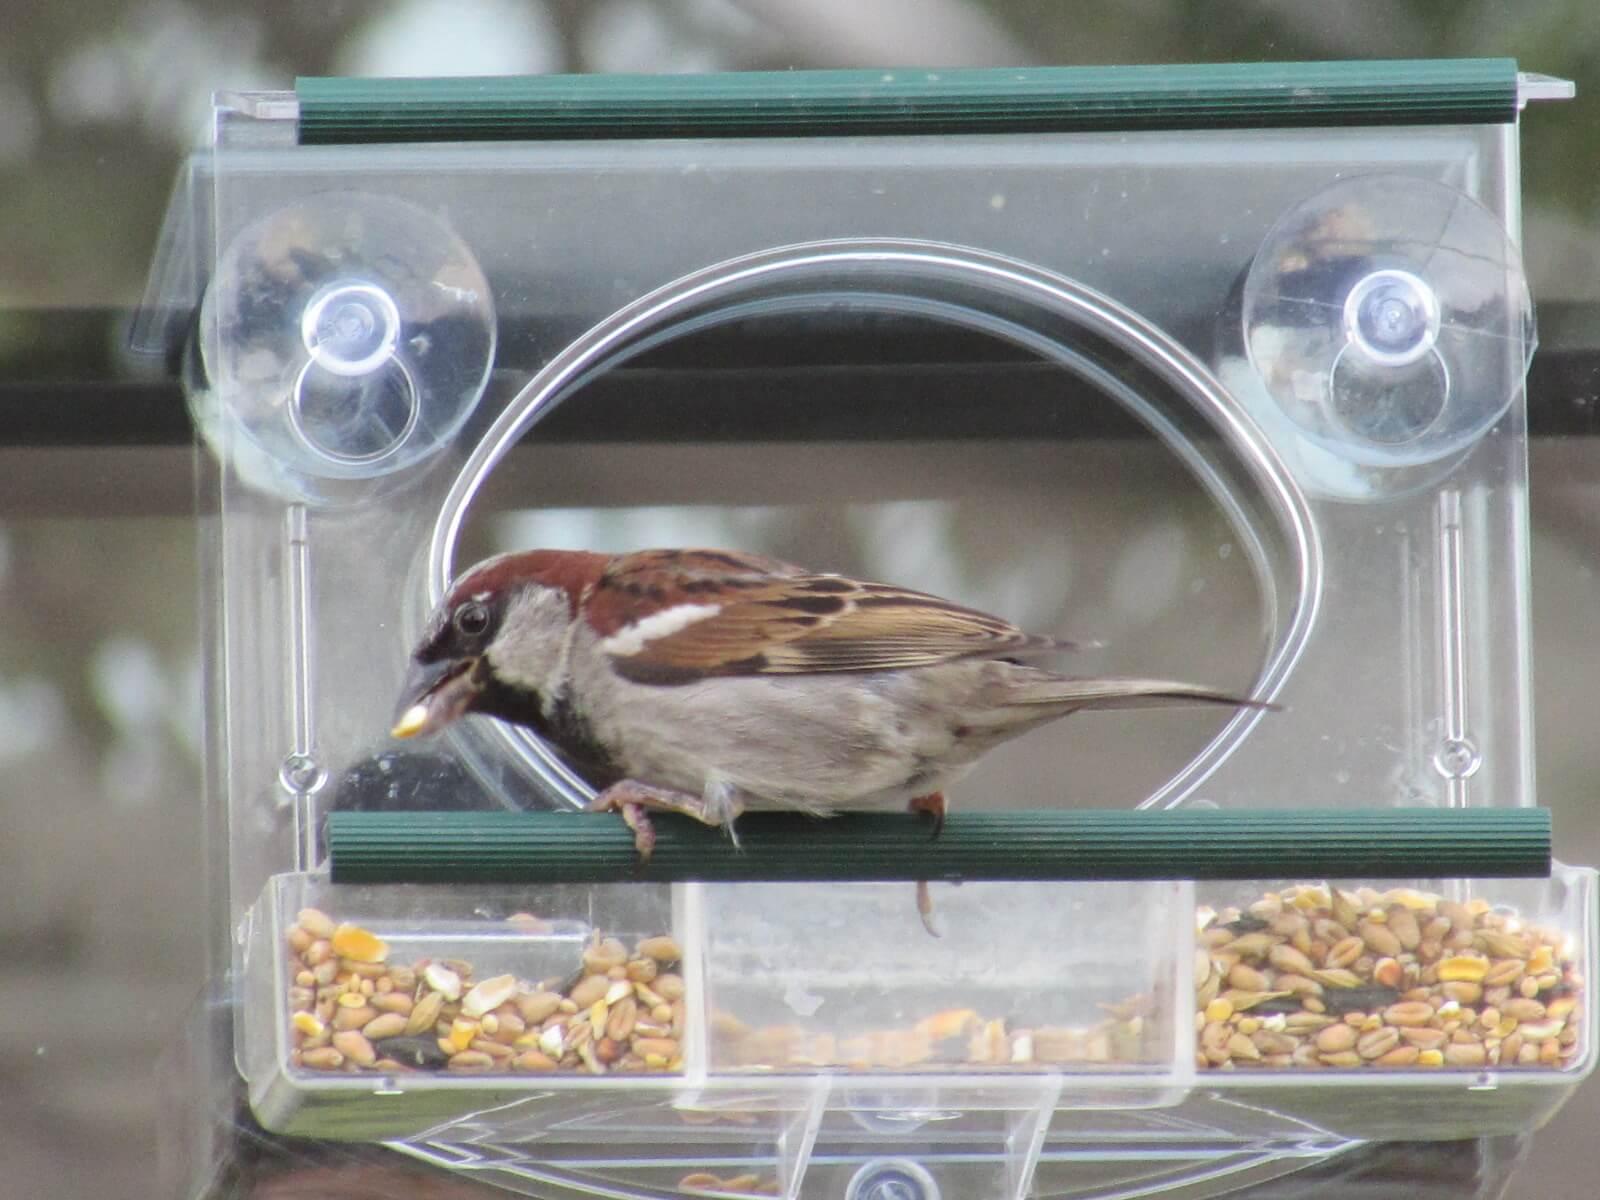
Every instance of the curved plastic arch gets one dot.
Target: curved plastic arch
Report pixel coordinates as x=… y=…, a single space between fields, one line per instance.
x=1049 y=314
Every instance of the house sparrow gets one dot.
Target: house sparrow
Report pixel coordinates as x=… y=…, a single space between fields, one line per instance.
x=707 y=681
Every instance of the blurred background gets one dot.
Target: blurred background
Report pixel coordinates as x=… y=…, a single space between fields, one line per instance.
x=101 y=895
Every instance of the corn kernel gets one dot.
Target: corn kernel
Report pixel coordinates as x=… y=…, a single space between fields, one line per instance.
x=357 y=944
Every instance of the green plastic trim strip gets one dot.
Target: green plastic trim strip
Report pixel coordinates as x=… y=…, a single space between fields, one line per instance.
x=831 y=103
x=506 y=847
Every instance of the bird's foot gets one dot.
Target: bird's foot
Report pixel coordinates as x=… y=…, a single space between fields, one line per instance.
x=644 y=830
x=933 y=805
x=635 y=800
x=925 y=908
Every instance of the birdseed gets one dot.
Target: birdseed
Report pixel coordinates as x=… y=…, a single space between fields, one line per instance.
x=1308 y=978
x=1397 y=979
x=352 y=1011
x=945 y=1040
x=707 y=1184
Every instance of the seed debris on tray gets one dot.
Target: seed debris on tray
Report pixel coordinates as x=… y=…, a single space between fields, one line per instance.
x=951 y=1039
x=354 y=1009
x=704 y=1183
x=1317 y=977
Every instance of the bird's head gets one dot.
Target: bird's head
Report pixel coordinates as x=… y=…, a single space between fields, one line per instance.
x=494 y=641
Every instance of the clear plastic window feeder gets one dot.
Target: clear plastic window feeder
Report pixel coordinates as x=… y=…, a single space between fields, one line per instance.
x=1216 y=372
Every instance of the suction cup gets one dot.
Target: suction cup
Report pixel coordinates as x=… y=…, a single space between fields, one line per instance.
x=1389 y=318
x=345 y=337
x=892 y=1179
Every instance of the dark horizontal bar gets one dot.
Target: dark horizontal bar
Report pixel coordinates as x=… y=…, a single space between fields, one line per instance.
x=877 y=102
x=506 y=847
x=893 y=382
x=96 y=412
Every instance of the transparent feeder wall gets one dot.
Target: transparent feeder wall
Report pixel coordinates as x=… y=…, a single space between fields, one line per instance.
x=1327 y=328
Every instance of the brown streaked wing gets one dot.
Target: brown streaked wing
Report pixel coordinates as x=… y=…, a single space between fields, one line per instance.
x=884 y=627
x=787 y=622
x=636 y=585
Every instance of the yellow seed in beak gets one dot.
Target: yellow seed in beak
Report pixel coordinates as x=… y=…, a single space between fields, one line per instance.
x=411 y=722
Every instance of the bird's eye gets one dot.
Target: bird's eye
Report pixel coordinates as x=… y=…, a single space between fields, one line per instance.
x=471 y=619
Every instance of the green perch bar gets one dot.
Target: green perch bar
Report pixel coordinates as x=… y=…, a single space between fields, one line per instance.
x=573 y=847
x=875 y=102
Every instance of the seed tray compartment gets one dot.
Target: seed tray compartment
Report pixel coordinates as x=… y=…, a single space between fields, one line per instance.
x=1471 y=1090
x=845 y=978
x=782 y=1030
x=527 y=949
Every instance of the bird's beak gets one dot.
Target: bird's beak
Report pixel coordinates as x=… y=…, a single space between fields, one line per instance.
x=434 y=695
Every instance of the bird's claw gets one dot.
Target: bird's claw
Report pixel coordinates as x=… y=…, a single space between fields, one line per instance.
x=925 y=908
x=933 y=805
x=644 y=830
x=632 y=799
x=629 y=799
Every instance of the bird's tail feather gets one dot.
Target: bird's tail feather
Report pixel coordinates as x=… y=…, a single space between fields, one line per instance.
x=1063 y=692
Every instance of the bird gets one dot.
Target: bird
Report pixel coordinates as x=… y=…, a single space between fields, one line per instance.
x=710 y=682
